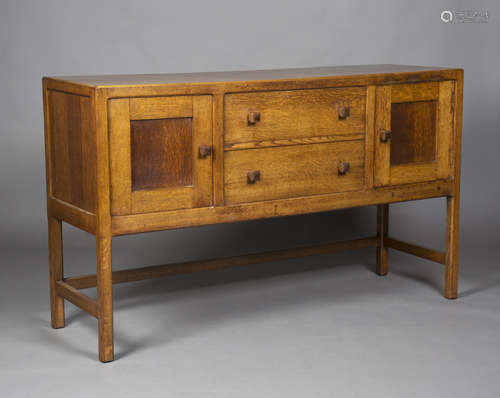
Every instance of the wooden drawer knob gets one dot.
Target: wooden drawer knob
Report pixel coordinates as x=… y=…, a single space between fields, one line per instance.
x=253 y=176
x=344 y=111
x=343 y=168
x=253 y=117
x=204 y=151
x=385 y=135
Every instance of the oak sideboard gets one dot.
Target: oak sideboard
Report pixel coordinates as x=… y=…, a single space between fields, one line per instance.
x=135 y=153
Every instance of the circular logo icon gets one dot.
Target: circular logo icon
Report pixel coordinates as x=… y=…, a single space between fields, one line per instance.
x=446 y=16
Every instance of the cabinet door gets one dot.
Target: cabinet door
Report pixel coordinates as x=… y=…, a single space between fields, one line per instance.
x=160 y=153
x=414 y=128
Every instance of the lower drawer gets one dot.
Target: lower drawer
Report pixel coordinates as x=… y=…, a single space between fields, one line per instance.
x=283 y=172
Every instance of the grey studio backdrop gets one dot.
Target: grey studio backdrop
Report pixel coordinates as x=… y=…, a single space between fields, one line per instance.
x=94 y=37
x=106 y=37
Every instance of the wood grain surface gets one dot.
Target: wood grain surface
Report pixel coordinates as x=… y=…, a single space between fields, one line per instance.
x=155 y=162
x=289 y=115
x=73 y=160
x=249 y=75
x=293 y=171
x=123 y=157
x=413 y=126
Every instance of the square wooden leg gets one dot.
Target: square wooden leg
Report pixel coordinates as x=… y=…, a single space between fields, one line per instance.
x=382 y=231
x=56 y=271
x=105 y=299
x=451 y=266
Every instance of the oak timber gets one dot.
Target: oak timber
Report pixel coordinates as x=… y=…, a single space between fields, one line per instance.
x=128 y=154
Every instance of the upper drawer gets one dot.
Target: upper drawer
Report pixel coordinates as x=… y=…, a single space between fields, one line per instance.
x=264 y=117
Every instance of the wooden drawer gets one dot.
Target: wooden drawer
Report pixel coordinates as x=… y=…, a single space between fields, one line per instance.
x=262 y=118
x=292 y=171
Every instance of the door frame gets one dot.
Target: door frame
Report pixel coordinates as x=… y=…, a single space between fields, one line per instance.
x=440 y=168
x=121 y=112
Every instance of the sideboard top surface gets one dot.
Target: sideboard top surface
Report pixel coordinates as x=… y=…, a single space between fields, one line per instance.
x=242 y=76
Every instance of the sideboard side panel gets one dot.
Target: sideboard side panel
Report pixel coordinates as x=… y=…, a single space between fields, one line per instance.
x=72 y=146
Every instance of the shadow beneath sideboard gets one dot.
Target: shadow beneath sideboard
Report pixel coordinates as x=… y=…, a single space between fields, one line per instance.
x=204 y=300
x=183 y=306
x=479 y=289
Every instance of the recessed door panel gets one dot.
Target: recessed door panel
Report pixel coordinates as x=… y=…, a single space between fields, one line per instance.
x=413 y=127
x=154 y=164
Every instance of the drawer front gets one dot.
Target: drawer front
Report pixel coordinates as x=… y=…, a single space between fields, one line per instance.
x=291 y=171
x=260 y=117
